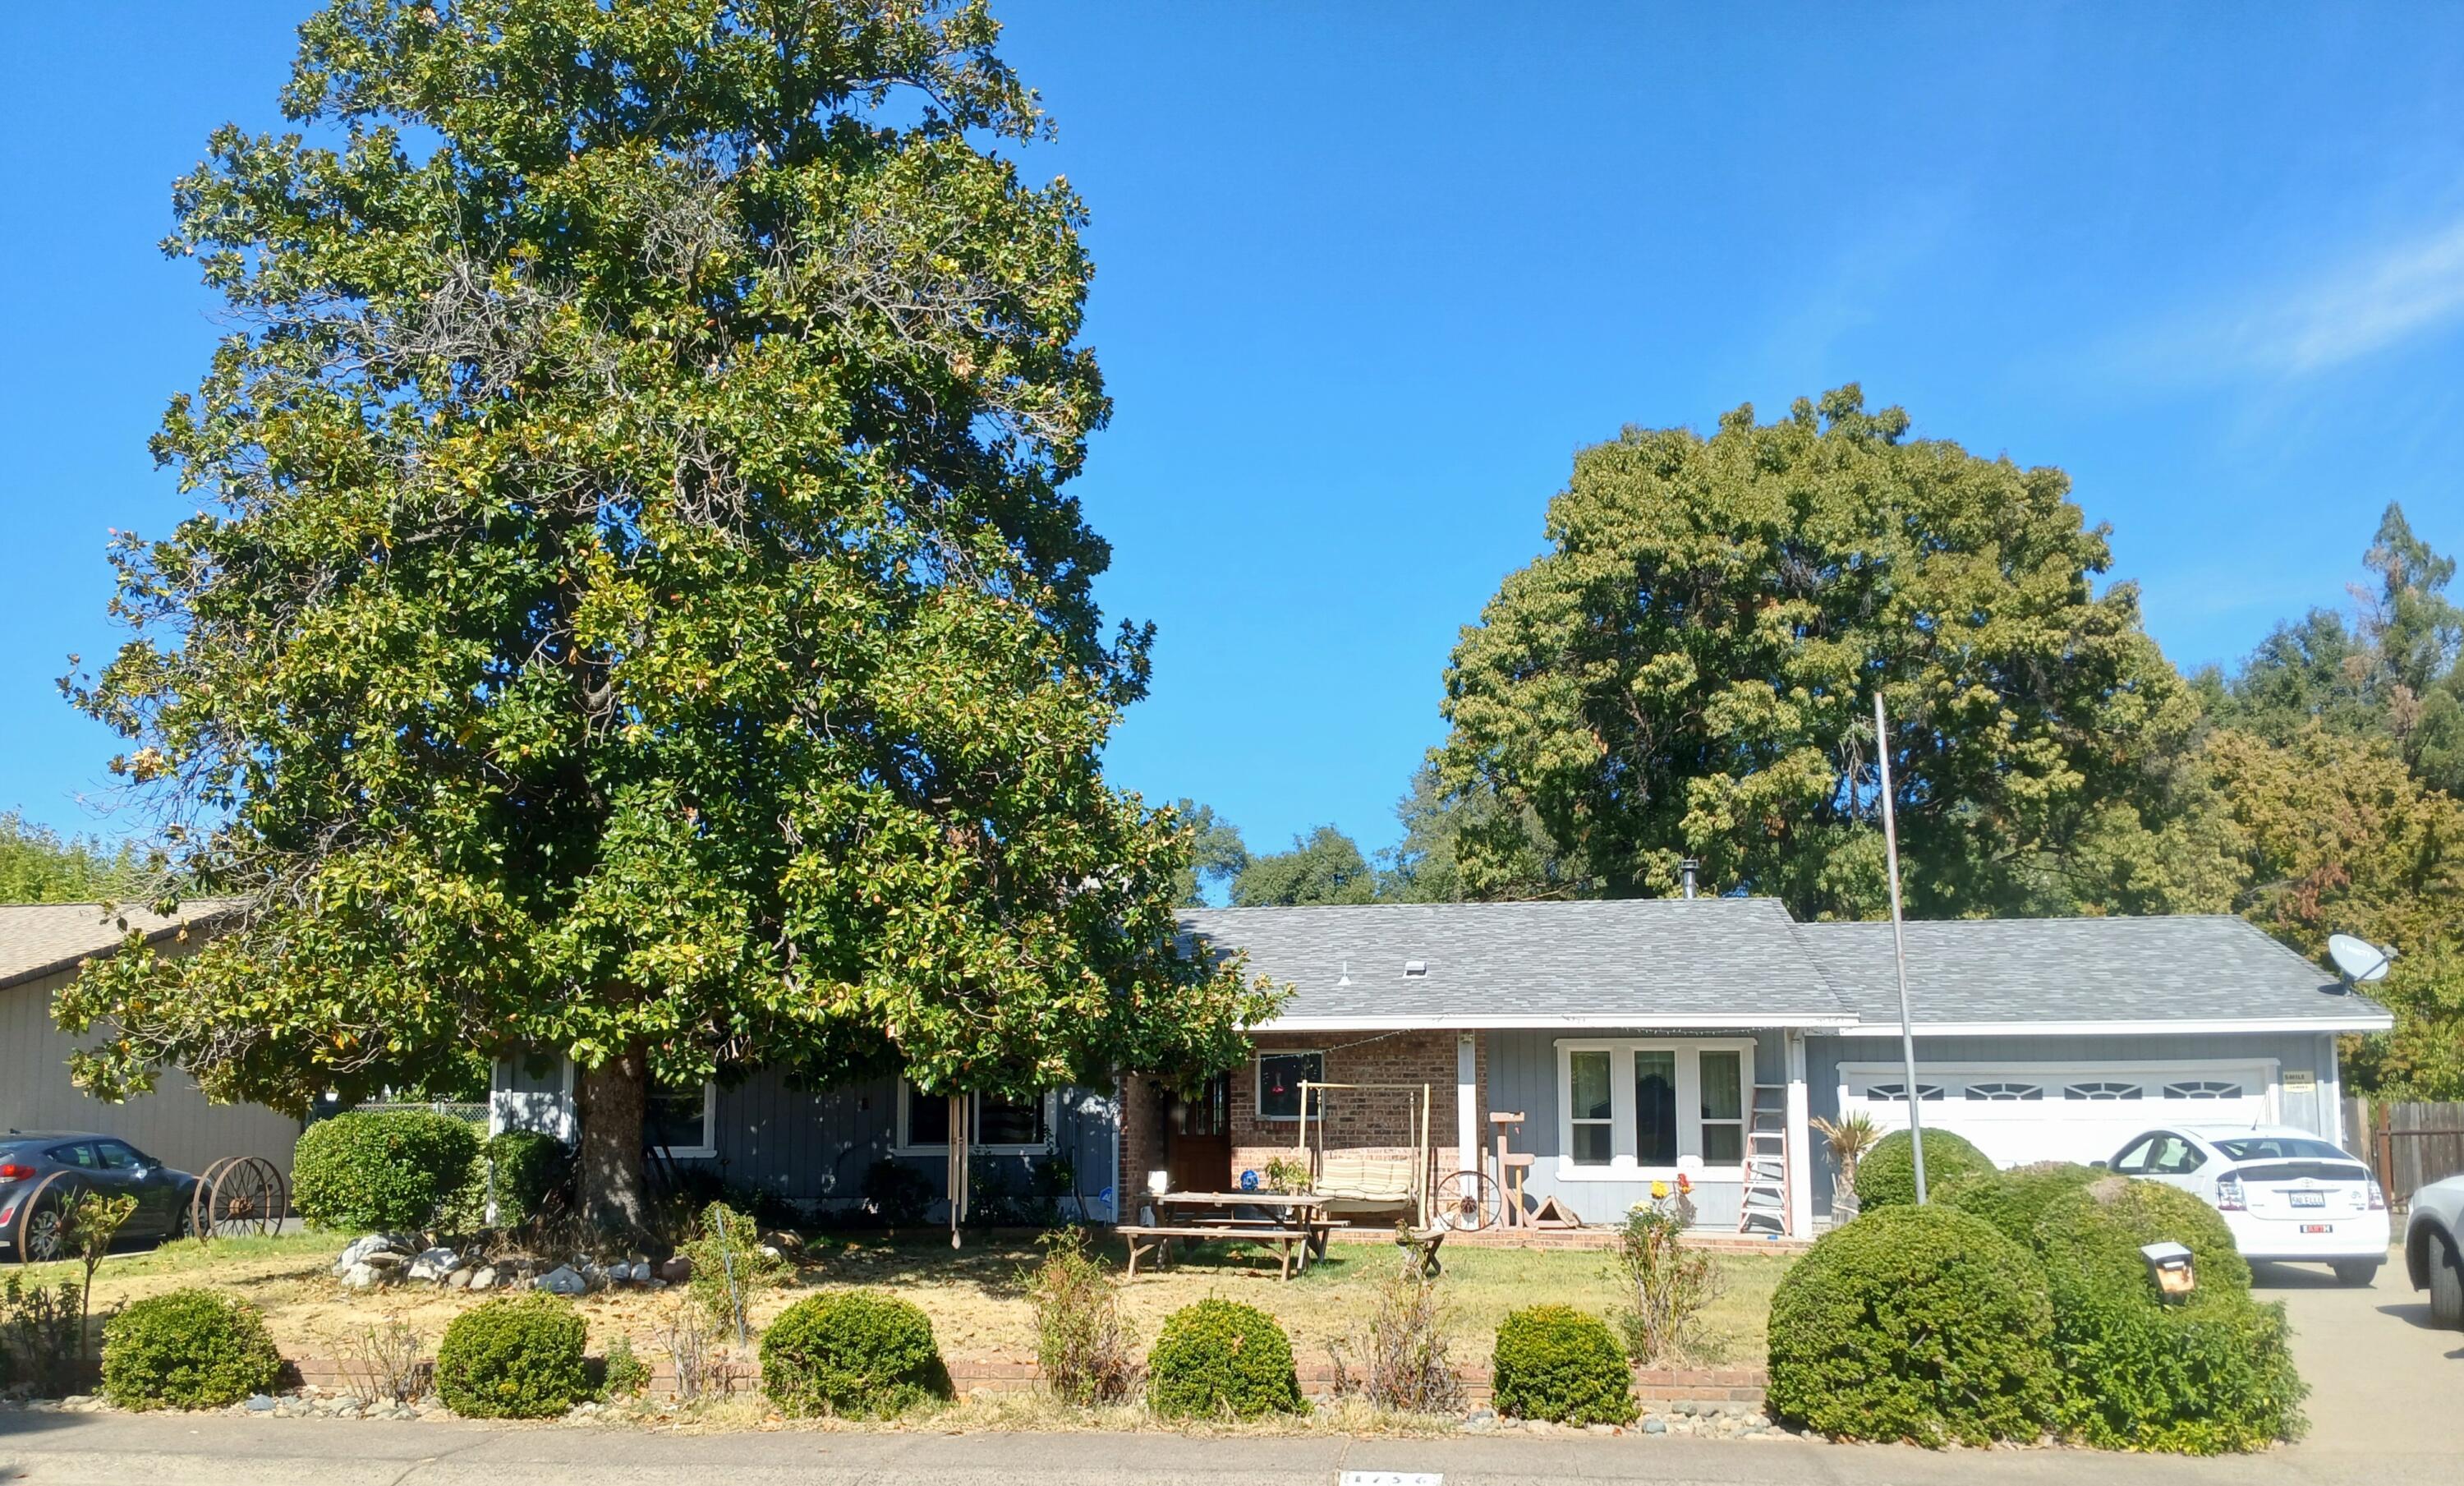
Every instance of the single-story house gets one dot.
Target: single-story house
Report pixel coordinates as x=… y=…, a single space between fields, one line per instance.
x=42 y=947
x=1636 y=1038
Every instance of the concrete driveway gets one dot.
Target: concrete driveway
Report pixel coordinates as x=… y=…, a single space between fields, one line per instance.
x=2383 y=1383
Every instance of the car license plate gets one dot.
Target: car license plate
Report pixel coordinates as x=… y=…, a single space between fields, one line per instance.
x=2309 y=1199
x=2318 y=1227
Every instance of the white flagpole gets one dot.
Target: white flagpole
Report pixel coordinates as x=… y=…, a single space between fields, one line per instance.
x=1900 y=945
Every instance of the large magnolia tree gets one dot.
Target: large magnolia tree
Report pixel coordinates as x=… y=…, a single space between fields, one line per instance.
x=634 y=609
x=1690 y=670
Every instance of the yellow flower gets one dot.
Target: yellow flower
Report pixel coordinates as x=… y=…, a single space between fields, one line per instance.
x=1659 y=1190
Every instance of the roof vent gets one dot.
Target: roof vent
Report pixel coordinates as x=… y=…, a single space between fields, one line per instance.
x=1416 y=967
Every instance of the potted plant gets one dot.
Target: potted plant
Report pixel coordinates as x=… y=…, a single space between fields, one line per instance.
x=1848 y=1139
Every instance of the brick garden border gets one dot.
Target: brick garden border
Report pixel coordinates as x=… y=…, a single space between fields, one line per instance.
x=996 y=1375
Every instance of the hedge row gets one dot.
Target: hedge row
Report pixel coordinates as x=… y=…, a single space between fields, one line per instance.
x=2018 y=1305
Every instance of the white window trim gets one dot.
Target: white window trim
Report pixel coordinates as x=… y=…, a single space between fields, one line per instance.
x=1258 y=1081
x=908 y=1147
x=708 y=1148
x=1625 y=1165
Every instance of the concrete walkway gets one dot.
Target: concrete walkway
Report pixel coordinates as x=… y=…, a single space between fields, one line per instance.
x=112 y=1450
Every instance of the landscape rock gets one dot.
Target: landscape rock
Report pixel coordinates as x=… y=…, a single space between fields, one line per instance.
x=675 y=1271
x=259 y=1404
x=485 y=1279
x=433 y=1264
x=358 y=1249
x=384 y=1259
x=561 y=1280
x=460 y=1278
x=366 y=1277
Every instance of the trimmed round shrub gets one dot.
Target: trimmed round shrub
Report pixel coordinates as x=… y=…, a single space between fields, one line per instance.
x=2210 y=1373
x=1556 y=1362
x=1888 y=1176
x=187 y=1349
x=1922 y=1324
x=516 y=1357
x=1219 y=1357
x=2013 y=1200
x=861 y=1354
x=364 y=1171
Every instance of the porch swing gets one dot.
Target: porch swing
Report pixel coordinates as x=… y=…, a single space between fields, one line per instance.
x=1366 y=1180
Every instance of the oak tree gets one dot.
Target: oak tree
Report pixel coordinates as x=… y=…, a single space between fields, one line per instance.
x=1689 y=670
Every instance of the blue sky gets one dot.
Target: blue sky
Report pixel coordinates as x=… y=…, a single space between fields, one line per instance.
x=1368 y=276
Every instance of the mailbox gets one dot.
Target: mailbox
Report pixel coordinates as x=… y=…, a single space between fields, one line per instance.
x=2168 y=1265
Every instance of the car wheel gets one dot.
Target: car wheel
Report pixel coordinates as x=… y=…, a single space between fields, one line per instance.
x=2446 y=1287
x=42 y=1239
x=2356 y=1271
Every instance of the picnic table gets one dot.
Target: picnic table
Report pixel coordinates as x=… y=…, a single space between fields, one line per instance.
x=1294 y=1222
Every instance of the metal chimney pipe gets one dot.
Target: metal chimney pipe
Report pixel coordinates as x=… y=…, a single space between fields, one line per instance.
x=1689 y=866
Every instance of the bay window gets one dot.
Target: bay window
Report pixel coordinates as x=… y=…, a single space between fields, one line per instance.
x=1632 y=1109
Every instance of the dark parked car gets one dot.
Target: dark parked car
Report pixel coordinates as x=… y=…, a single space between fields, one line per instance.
x=30 y=1221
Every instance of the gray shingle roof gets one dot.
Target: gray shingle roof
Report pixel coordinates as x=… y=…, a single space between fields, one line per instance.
x=2179 y=970
x=39 y=939
x=1639 y=963
x=1737 y=961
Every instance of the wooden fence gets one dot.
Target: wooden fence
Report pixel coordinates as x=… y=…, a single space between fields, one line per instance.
x=2409 y=1145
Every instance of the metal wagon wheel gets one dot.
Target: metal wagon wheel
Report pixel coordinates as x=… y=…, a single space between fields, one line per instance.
x=43 y=1229
x=236 y=1196
x=1465 y=1202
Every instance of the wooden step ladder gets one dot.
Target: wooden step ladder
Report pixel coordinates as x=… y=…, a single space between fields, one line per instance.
x=1764 y=1206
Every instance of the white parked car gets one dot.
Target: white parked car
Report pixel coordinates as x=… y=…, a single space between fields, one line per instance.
x=2433 y=1248
x=2285 y=1193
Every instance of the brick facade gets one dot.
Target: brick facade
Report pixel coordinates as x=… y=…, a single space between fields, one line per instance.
x=1372 y=1122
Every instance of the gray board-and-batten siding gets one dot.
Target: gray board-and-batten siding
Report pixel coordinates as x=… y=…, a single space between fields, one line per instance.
x=813 y=1147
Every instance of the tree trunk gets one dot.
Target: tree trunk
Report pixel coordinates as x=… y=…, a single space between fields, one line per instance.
x=609 y=1174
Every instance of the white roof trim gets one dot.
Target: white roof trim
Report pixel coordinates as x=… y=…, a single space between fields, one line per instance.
x=1603 y=1022
x=2181 y=1025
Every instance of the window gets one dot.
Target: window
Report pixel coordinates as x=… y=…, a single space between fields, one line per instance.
x=2133 y=1160
x=80 y=1155
x=1593 y=1109
x=679 y=1120
x=1655 y=1107
x=2004 y=1093
x=2203 y=1089
x=1898 y=1092
x=1724 y=1107
x=1280 y=1076
x=1634 y=1109
x=2175 y=1157
x=995 y=1121
x=2102 y=1090
x=116 y=1157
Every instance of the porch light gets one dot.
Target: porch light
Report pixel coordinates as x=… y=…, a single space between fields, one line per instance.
x=2168 y=1264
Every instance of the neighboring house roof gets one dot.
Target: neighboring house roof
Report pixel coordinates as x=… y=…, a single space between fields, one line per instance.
x=43 y=939
x=1675 y=963
x=2183 y=974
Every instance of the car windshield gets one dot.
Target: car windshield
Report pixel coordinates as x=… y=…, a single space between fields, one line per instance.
x=2280 y=1147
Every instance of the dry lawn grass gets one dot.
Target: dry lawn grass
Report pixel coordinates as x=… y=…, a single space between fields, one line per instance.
x=976 y=1296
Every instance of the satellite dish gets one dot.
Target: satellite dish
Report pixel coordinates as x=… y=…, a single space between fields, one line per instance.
x=2358 y=959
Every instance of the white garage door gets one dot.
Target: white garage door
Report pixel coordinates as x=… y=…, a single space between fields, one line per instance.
x=2022 y=1111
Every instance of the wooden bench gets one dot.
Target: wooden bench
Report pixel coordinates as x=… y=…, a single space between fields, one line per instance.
x=1160 y=1239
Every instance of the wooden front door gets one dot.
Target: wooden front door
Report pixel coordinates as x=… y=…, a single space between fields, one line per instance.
x=1198 y=1137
